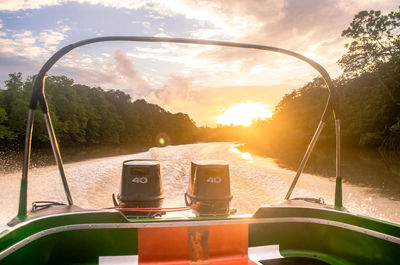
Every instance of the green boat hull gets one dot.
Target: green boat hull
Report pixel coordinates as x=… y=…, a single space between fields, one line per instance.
x=70 y=235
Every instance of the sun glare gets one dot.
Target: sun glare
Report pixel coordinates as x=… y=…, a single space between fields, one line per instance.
x=244 y=155
x=245 y=114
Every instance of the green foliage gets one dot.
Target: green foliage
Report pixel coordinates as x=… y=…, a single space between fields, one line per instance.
x=15 y=108
x=372 y=69
x=4 y=130
x=366 y=113
x=88 y=116
x=375 y=41
x=300 y=110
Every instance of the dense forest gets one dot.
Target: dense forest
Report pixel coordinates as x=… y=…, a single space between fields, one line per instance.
x=85 y=115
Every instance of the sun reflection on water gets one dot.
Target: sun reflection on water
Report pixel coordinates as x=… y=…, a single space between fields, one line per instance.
x=245 y=155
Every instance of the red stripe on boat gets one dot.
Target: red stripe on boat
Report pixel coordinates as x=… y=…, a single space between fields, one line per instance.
x=219 y=245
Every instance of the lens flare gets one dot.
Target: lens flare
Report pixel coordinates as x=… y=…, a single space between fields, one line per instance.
x=162 y=139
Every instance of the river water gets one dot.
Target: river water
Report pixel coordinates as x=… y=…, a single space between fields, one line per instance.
x=255 y=180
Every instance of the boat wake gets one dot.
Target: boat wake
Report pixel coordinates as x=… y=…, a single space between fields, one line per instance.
x=254 y=181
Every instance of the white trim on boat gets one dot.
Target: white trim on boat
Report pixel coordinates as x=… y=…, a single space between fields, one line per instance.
x=4 y=228
x=188 y=223
x=264 y=253
x=119 y=260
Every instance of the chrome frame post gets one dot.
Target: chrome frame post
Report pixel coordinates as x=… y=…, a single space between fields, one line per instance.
x=57 y=155
x=305 y=158
x=338 y=187
x=23 y=194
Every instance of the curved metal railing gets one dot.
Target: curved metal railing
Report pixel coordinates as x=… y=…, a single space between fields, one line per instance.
x=39 y=96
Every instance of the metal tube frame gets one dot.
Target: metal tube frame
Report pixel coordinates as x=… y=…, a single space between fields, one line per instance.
x=338 y=186
x=25 y=166
x=38 y=95
x=305 y=158
x=57 y=155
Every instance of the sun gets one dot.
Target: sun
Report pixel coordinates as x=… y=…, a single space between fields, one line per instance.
x=245 y=114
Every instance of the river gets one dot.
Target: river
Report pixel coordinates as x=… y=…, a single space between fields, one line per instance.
x=255 y=180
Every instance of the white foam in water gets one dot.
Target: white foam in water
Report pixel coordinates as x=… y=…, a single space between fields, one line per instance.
x=254 y=181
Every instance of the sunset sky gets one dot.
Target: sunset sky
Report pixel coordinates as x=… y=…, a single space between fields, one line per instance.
x=202 y=81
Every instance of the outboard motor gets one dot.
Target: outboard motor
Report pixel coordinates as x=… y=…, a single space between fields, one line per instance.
x=209 y=184
x=141 y=187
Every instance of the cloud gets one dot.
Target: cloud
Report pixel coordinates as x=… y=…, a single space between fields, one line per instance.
x=51 y=38
x=351 y=7
x=309 y=27
x=27 y=44
x=21 y=44
x=14 y=5
x=125 y=68
x=93 y=77
x=65 y=28
x=146 y=24
x=179 y=96
x=223 y=15
x=291 y=24
x=177 y=91
x=153 y=16
x=25 y=38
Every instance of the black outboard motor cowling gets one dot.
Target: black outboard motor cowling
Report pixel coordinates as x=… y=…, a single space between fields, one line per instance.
x=209 y=184
x=141 y=186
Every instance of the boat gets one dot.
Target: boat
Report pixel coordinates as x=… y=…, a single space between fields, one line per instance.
x=136 y=229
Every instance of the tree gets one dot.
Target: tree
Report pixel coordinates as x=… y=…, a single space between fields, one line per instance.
x=85 y=115
x=15 y=106
x=4 y=130
x=376 y=41
x=375 y=51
